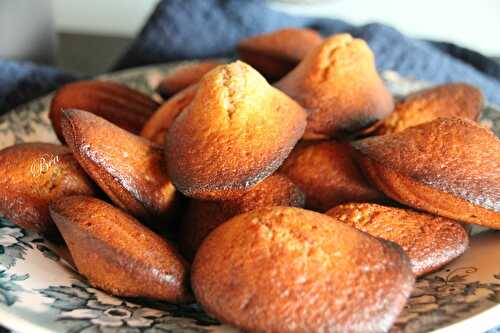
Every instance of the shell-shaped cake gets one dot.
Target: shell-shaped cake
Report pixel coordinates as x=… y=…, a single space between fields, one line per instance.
x=118 y=254
x=430 y=241
x=203 y=216
x=184 y=76
x=447 y=100
x=276 y=53
x=129 y=168
x=338 y=84
x=237 y=131
x=34 y=174
x=449 y=167
x=326 y=172
x=259 y=269
x=115 y=102
x=156 y=127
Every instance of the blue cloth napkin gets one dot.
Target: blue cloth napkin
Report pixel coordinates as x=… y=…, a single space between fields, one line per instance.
x=181 y=29
x=23 y=81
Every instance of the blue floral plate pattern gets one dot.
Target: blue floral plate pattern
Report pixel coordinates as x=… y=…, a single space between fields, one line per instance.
x=40 y=292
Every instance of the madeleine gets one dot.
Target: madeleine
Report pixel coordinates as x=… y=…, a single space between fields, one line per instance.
x=237 y=131
x=156 y=127
x=115 y=102
x=326 y=172
x=430 y=241
x=34 y=174
x=449 y=167
x=184 y=76
x=127 y=167
x=256 y=270
x=275 y=54
x=116 y=253
x=204 y=216
x=339 y=85
x=447 y=100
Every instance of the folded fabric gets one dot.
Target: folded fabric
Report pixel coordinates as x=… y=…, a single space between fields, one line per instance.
x=23 y=81
x=186 y=29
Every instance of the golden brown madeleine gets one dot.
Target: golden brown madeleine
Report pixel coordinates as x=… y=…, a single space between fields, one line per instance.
x=339 y=85
x=429 y=241
x=449 y=167
x=204 y=216
x=448 y=100
x=237 y=131
x=32 y=175
x=325 y=171
x=275 y=54
x=156 y=127
x=127 y=167
x=258 y=270
x=184 y=76
x=116 y=253
x=121 y=105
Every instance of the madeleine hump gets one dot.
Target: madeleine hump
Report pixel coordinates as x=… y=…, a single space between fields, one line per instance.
x=338 y=84
x=236 y=132
x=118 y=254
x=284 y=269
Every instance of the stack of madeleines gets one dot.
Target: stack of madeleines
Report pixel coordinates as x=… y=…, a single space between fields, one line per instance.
x=252 y=197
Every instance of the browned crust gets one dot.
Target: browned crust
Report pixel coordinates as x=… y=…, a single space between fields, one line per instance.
x=448 y=100
x=275 y=54
x=429 y=241
x=273 y=68
x=416 y=194
x=236 y=132
x=451 y=155
x=100 y=239
x=62 y=251
x=276 y=190
x=127 y=167
x=115 y=102
x=156 y=127
x=184 y=76
x=338 y=84
x=256 y=270
x=325 y=171
x=204 y=216
x=32 y=175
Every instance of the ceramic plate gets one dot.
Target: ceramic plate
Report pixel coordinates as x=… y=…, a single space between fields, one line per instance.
x=39 y=292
